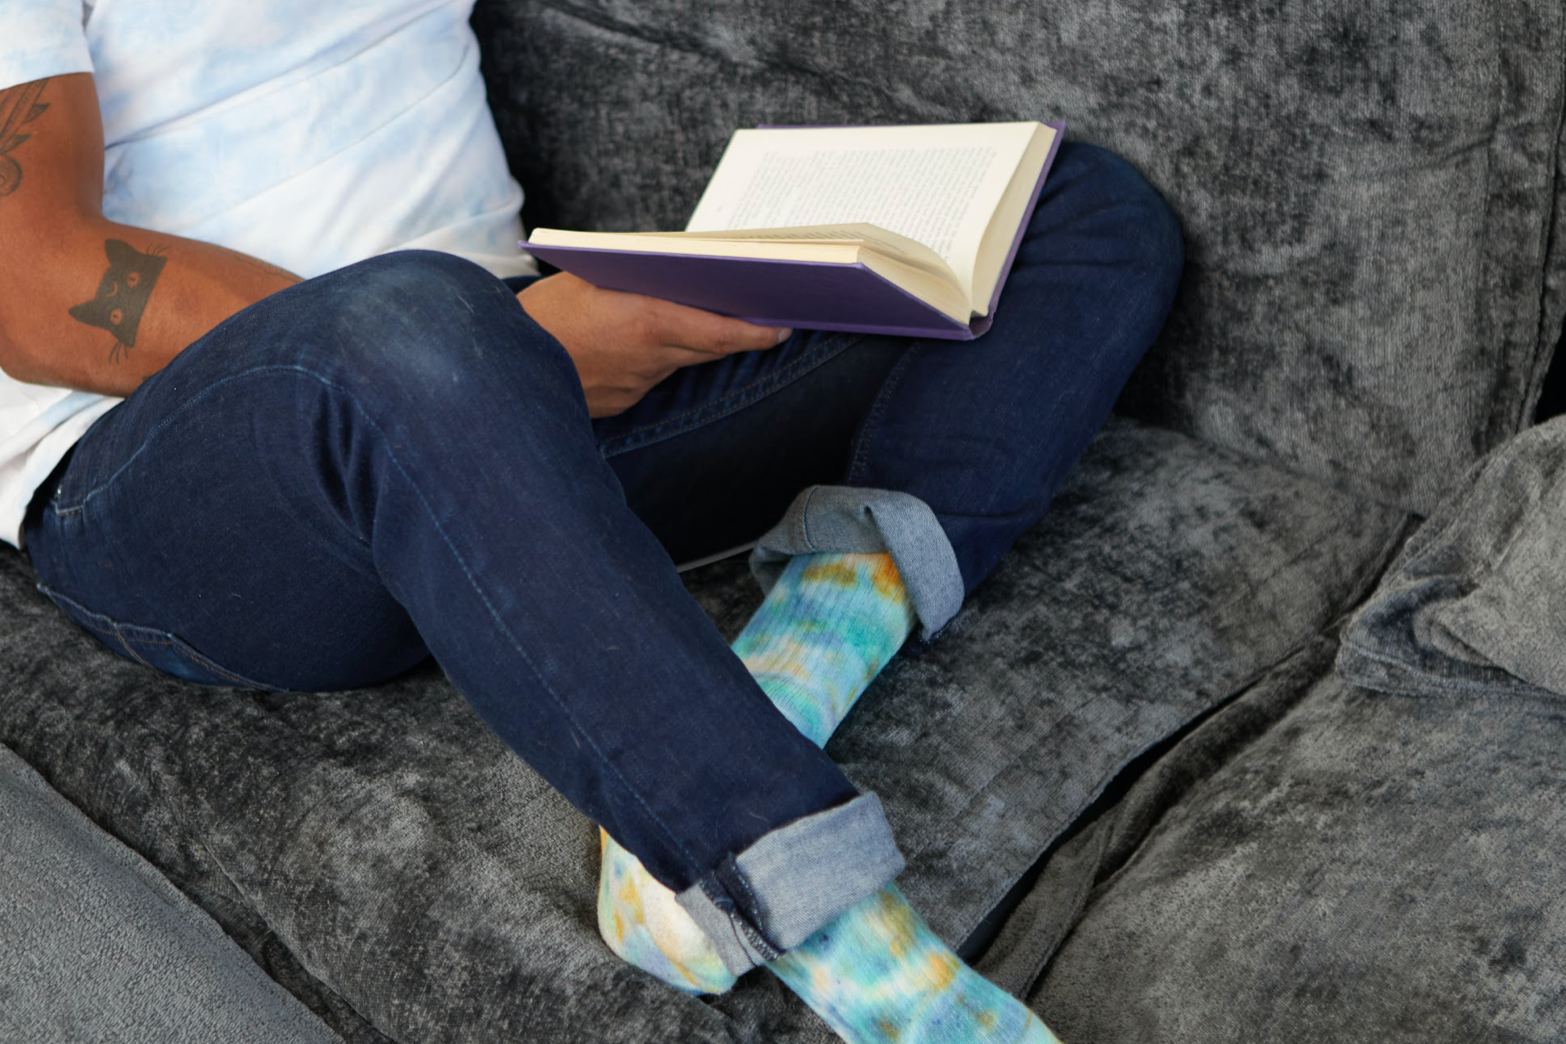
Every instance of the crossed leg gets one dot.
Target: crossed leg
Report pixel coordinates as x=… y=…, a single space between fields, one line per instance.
x=1093 y=281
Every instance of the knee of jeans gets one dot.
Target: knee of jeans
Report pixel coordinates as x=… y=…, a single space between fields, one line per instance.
x=1156 y=243
x=433 y=327
x=1131 y=211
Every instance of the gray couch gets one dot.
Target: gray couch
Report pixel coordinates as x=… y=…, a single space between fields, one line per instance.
x=1233 y=746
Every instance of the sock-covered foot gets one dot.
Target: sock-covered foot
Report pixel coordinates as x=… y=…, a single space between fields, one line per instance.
x=878 y=975
x=821 y=635
x=646 y=926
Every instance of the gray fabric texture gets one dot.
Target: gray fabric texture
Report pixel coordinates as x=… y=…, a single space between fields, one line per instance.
x=801 y=876
x=1368 y=192
x=96 y=945
x=1368 y=868
x=851 y=519
x=1108 y=837
x=1165 y=577
x=1476 y=602
x=394 y=865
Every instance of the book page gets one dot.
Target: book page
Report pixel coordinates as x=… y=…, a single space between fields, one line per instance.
x=938 y=185
x=909 y=251
x=995 y=249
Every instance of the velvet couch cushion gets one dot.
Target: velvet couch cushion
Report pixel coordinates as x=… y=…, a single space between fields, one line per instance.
x=96 y=945
x=1369 y=192
x=1360 y=853
x=388 y=860
x=1322 y=862
x=1476 y=602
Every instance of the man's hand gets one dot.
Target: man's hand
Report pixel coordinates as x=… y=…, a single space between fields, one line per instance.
x=623 y=344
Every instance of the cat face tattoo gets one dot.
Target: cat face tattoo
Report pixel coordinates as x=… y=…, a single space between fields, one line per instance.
x=122 y=294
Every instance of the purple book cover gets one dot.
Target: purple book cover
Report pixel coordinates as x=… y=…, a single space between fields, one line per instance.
x=809 y=295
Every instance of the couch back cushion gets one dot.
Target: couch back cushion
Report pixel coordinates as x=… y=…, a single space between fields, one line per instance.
x=1368 y=192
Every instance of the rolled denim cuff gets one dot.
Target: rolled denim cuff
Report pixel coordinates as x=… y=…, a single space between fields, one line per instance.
x=793 y=882
x=847 y=518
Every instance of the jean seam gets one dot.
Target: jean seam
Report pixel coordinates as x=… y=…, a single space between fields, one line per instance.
x=561 y=705
x=747 y=934
x=757 y=935
x=759 y=942
x=185 y=649
x=96 y=628
x=158 y=428
x=147 y=439
x=108 y=628
x=722 y=902
x=802 y=523
x=129 y=650
x=116 y=629
x=727 y=405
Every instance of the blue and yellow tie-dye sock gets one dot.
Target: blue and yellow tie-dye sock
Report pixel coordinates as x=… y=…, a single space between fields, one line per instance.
x=878 y=975
x=822 y=634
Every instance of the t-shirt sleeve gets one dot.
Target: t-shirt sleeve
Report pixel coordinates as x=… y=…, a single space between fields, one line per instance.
x=41 y=38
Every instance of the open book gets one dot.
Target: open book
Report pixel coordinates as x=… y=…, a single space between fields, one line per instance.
x=904 y=230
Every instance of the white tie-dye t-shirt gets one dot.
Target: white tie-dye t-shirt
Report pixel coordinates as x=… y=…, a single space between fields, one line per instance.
x=308 y=133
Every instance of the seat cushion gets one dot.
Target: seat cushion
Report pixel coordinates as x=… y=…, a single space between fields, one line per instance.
x=1366 y=867
x=394 y=865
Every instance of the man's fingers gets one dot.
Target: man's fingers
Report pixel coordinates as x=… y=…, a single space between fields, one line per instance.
x=671 y=357
x=714 y=334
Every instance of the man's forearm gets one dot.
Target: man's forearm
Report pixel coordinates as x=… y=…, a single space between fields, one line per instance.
x=101 y=306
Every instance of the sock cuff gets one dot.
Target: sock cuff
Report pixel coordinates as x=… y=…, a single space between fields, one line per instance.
x=848 y=518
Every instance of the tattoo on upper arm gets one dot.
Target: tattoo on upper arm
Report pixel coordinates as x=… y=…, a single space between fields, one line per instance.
x=122 y=294
x=18 y=105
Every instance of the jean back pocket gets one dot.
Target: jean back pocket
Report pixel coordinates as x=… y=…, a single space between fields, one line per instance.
x=151 y=647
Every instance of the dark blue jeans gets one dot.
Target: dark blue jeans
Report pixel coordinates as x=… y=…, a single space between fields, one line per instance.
x=394 y=460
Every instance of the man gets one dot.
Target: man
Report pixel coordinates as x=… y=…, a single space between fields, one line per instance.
x=242 y=476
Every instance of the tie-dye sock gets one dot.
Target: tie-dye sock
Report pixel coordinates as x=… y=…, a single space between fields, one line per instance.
x=878 y=975
x=822 y=634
